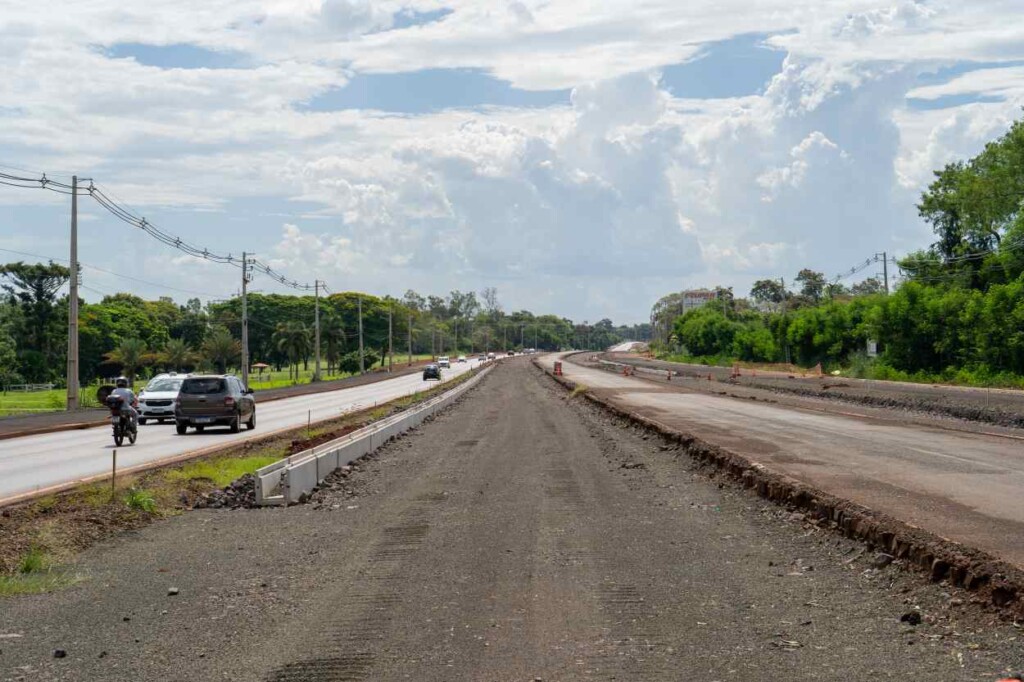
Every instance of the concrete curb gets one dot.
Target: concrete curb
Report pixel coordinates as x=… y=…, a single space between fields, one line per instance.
x=291 y=480
x=996 y=582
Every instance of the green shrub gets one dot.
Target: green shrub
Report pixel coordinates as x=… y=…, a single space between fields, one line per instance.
x=142 y=500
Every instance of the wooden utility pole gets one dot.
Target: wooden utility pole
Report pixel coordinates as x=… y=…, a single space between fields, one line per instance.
x=409 y=331
x=72 y=368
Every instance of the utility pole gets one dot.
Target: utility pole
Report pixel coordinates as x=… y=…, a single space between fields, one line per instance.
x=391 y=342
x=785 y=342
x=409 y=330
x=245 y=319
x=504 y=337
x=535 y=337
x=72 y=369
x=362 y=366
x=316 y=320
x=456 y=336
x=885 y=269
x=522 y=328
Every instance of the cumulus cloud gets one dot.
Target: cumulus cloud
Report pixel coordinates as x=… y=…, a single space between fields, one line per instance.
x=591 y=208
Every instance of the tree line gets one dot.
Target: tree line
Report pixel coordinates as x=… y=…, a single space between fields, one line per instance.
x=957 y=312
x=124 y=333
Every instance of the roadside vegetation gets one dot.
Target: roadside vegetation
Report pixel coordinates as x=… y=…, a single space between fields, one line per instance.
x=125 y=334
x=956 y=314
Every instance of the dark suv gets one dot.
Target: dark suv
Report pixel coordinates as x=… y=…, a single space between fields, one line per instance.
x=214 y=400
x=432 y=371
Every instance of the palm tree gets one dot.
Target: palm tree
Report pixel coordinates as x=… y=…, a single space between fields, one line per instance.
x=220 y=348
x=292 y=338
x=176 y=355
x=131 y=355
x=332 y=333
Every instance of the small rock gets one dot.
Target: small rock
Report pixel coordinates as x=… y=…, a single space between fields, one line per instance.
x=103 y=654
x=911 y=618
x=59 y=653
x=126 y=619
x=956 y=602
x=172 y=591
x=882 y=560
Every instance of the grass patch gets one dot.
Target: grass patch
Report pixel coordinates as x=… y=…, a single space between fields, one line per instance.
x=221 y=471
x=35 y=583
x=35 y=560
x=578 y=391
x=140 y=499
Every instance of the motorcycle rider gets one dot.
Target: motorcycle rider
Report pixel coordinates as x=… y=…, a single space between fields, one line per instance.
x=121 y=390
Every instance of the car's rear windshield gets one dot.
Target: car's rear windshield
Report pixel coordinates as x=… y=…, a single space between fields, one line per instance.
x=199 y=386
x=164 y=385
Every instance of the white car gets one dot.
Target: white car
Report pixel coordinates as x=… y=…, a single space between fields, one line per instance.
x=462 y=358
x=444 y=362
x=156 y=400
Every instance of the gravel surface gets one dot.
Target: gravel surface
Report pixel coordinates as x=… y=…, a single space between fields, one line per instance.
x=519 y=536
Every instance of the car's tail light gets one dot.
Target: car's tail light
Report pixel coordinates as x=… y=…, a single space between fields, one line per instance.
x=229 y=402
x=177 y=401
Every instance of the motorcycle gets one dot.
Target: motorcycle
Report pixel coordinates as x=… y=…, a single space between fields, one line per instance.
x=121 y=421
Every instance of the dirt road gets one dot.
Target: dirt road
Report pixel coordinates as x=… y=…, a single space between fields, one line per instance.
x=519 y=536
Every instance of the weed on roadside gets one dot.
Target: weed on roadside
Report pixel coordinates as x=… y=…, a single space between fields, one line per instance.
x=578 y=391
x=140 y=499
x=35 y=574
x=222 y=470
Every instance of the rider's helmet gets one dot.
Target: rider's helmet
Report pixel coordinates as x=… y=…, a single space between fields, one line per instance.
x=121 y=382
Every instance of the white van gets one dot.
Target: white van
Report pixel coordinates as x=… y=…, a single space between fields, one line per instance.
x=444 y=362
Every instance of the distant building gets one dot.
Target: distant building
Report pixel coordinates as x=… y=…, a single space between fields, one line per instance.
x=695 y=298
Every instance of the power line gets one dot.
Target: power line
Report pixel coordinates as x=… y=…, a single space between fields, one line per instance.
x=116 y=274
x=127 y=215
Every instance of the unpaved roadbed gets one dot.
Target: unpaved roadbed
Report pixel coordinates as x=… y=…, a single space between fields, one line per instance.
x=520 y=535
x=999 y=407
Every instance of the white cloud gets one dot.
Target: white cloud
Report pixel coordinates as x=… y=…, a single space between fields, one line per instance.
x=593 y=208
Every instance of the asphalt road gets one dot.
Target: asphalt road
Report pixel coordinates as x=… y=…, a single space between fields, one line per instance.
x=961 y=486
x=519 y=536
x=37 y=462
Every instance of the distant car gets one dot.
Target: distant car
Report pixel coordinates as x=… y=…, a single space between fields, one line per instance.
x=510 y=353
x=156 y=400
x=212 y=400
x=491 y=356
x=444 y=362
x=432 y=371
x=461 y=359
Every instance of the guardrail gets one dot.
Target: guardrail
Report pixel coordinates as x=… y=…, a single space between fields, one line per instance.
x=286 y=481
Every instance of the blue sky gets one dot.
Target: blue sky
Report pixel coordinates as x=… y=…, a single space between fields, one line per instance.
x=585 y=160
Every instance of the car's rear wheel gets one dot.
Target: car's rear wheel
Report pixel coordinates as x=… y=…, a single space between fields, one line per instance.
x=181 y=428
x=200 y=429
x=234 y=426
x=142 y=421
x=251 y=424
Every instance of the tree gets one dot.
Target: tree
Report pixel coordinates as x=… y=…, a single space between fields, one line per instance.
x=34 y=287
x=872 y=285
x=221 y=348
x=768 y=291
x=413 y=301
x=130 y=354
x=812 y=284
x=176 y=355
x=332 y=333
x=490 y=298
x=293 y=339
x=8 y=347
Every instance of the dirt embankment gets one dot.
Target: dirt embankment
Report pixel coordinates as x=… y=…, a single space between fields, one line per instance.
x=1000 y=407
